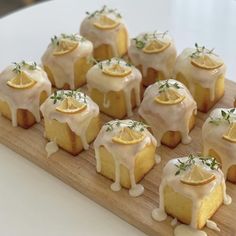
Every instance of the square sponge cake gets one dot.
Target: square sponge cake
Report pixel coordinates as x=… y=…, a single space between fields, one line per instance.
x=125 y=152
x=23 y=87
x=71 y=120
x=191 y=190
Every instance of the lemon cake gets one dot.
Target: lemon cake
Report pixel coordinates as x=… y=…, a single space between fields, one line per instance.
x=203 y=72
x=23 y=87
x=71 y=120
x=169 y=109
x=106 y=30
x=125 y=152
x=115 y=86
x=154 y=54
x=219 y=139
x=67 y=60
x=192 y=189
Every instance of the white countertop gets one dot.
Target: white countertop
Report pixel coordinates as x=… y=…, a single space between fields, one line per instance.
x=34 y=203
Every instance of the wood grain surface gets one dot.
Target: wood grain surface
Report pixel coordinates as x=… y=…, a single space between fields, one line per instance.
x=80 y=173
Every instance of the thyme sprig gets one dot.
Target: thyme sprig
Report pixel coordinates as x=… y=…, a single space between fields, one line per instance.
x=61 y=95
x=200 y=50
x=109 y=62
x=18 y=67
x=166 y=85
x=140 y=42
x=227 y=116
x=133 y=124
x=55 y=40
x=104 y=10
x=208 y=161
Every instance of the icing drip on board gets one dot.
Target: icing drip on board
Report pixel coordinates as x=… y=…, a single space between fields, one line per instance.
x=29 y=98
x=51 y=148
x=62 y=67
x=162 y=61
x=212 y=139
x=96 y=79
x=99 y=36
x=158 y=115
x=122 y=154
x=77 y=122
x=206 y=78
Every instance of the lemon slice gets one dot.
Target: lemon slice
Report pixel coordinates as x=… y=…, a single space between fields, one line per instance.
x=156 y=46
x=21 y=81
x=105 y=23
x=65 y=46
x=128 y=136
x=197 y=176
x=206 y=62
x=169 y=97
x=117 y=70
x=71 y=106
x=231 y=133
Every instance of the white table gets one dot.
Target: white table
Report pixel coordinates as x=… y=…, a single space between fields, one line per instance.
x=34 y=203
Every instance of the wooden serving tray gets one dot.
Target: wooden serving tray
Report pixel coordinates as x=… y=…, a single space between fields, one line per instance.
x=80 y=173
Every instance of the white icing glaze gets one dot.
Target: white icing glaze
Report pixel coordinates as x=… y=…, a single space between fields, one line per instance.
x=122 y=154
x=62 y=67
x=158 y=115
x=105 y=83
x=99 y=36
x=212 y=139
x=193 y=74
x=157 y=158
x=196 y=194
x=186 y=230
x=77 y=122
x=162 y=61
x=51 y=147
x=212 y=225
x=174 y=222
x=29 y=98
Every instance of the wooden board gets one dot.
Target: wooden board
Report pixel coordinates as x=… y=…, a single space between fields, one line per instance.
x=79 y=172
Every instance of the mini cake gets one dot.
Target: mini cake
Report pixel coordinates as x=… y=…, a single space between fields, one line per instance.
x=154 y=54
x=106 y=30
x=115 y=86
x=192 y=189
x=203 y=72
x=71 y=120
x=169 y=109
x=23 y=87
x=125 y=152
x=67 y=60
x=219 y=139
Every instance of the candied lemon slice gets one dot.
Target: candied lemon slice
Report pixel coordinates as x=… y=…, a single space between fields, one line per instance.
x=117 y=70
x=128 y=136
x=169 y=97
x=206 y=62
x=21 y=81
x=156 y=46
x=71 y=106
x=197 y=176
x=105 y=23
x=65 y=46
x=231 y=133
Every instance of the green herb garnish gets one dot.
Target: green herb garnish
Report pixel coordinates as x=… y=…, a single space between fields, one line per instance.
x=18 y=67
x=61 y=95
x=140 y=42
x=199 y=50
x=133 y=124
x=104 y=10
x=208 y=161
x=166 y=85
x=228 y=116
